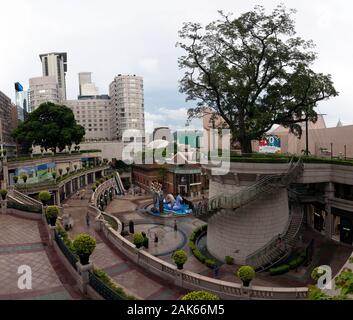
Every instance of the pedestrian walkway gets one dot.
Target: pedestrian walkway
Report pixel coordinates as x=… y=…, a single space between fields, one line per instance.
x=24 y=242
x=124 y=272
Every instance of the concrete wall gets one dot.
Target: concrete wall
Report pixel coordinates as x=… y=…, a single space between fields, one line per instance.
x=241 y=232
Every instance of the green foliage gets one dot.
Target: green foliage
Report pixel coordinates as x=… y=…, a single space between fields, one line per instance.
x=50 y=126
x=296 y=262
x=180 y=257
x=109 y=282
x=345 y=281
x=138 y=239
x=315 y=293
x=229 y=260
x=200 y=295
x=199 y=256
x=246 y=273
x=253 y=71
x=15 y=179
x=210 y=263
x=52 y=212
x=24 y=177
x=84 y=245
x=315 y=274
x=53 y=175
x=44 y=196
x=284 y=268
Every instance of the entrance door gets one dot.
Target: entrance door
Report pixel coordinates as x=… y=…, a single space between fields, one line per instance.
x=183 y=191
x=346 y=230
x=318 y=221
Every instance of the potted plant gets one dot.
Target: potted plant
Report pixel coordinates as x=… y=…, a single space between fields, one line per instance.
x=3 y=193
x=246 y=274
x=94 y=188
x=138 y=240
x=60 y=172
x=45 y=197
x=229 y=260
x=53 y=175
x=84 y=246
x=24 y=177
x=15 y=179
x=180 y=257
x=200 y=295
x=67 y=169
x=52 y=214
x=146 y=242
x=75 y=166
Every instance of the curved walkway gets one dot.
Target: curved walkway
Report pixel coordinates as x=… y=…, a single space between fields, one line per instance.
x=24 y=242
x=126 y=273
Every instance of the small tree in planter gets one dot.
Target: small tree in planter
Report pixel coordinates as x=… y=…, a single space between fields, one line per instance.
x=84 y=246
x=180 y=257
x=75 y=166
x=24 y=177
x=53 y=175
x=60 y=172
x=52 y=214
x=246 y=274
x=94 y=188
x=45 y=197
x=3 y=193
x=67 y=170
x=15 y=179
x=138 y=240
x=146 y=242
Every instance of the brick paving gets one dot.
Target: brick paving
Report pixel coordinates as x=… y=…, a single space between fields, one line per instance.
x=125 y=273
x=24 y=242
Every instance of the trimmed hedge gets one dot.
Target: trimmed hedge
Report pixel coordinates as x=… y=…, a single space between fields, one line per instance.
x=284 y=268
x=195 y=251
x=200 y=295
x=23 y=207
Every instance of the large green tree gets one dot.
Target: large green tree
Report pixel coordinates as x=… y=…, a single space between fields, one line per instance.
x=51 y=127
x=253 y=72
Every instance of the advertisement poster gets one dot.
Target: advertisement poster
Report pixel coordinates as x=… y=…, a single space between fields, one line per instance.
x=270 y=144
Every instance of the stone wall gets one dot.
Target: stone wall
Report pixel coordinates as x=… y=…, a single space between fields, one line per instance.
x=241 y=232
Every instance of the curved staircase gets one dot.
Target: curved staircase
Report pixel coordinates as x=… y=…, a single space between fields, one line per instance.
x=271 y=254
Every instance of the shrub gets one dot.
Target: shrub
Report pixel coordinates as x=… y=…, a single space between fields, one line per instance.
x=296 y=262
x=101 y=180
x=94 y=188
x=52 y=212
x=15 y=179
x=180 y=257
x=279 y=270
x=246 y=273
x=44 y=196
x=210 y=263
x=3 y=193
x=84 y=245
x=24 y=177
x=315 y=274
x=53 y=175
x=315 y=293
x=199 y=256
x=192 y=245
x=200 y=295
x=345 y=281
x=229 y=260
x=138 y=239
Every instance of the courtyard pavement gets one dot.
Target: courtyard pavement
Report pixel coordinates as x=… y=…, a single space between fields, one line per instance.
x=24 y=242
x=125 y=273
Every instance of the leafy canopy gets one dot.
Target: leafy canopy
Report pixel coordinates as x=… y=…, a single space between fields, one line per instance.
x=253 y=72
x=51 y=127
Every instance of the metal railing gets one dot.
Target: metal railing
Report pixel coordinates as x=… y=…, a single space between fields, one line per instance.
x=102 y=289
x=249 y=194
x=66 y=251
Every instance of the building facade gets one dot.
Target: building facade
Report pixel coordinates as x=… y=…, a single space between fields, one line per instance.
x=22 y=102
x=86 y=87
x=95 y=115
x=127 y=99
x=41 y=90
x=7 y=124
x=55 y=65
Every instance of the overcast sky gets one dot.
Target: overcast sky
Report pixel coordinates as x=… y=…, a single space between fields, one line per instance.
x=109 y=37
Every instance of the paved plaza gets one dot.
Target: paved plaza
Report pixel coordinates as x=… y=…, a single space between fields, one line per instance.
x=23 y=242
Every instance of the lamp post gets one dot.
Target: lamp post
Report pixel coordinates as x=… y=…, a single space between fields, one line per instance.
x=331 y=150
x=345 y=152
x=307 y=136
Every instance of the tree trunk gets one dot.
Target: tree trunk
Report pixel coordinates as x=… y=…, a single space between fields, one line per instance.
x=246 y=146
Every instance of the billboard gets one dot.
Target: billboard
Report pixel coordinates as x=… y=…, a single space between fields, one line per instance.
x=270 y=144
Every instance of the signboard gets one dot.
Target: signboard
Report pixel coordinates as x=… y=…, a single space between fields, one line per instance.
x=270 y=144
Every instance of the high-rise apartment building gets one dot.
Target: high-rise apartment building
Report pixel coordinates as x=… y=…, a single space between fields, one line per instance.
x=41 y=90
x=6 y=120
x=127 y=100
x=95 y=115
x=55 y=65
x=86 y=87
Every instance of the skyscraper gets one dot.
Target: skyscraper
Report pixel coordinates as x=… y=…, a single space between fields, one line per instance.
x=127 y=99
x=55 y=65
x=22 y=101
x=41 y=90
x=87 y=87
